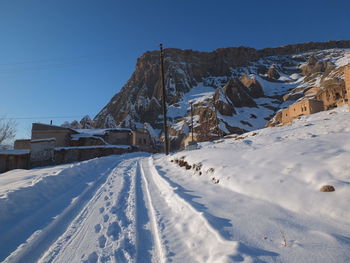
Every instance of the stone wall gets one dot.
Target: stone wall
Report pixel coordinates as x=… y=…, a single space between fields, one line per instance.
x=42 y=152
x=78 y=154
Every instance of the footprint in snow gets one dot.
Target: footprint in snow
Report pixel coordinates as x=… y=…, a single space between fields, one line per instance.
x=110 y=193
x=113 y=230
x=106 y=198
x=92 y=258
x=97 y=228
x=114 y=210
x=102 y=241
x=108 y=203
x=105 y=218
x=102 y=209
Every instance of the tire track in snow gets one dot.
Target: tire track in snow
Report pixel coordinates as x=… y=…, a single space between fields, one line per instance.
x=159 y=257
x=105 y=229
x=40 y=241
x=184 y=233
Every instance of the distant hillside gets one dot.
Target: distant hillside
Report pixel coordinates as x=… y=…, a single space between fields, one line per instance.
x=234 y=90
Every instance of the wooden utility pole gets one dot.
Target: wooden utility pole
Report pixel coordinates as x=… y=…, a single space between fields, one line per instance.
x=165 y=127
x=191 y=103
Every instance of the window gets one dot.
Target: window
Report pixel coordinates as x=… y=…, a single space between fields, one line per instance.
x=140 y=141
x=144 y=141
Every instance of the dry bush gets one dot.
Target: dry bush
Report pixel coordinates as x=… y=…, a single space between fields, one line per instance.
x=7 y=130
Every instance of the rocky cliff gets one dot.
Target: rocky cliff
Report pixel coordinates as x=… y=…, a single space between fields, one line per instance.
x=232 y=89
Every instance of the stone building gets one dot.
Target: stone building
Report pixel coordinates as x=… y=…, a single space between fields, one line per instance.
x=142 y=140
x=303 y=107
x=61 y=135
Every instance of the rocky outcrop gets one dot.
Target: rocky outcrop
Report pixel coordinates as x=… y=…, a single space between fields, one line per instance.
x=237 y=93
x=272 y=73
x=254 y=88
x=222 y=104
x=227 y=70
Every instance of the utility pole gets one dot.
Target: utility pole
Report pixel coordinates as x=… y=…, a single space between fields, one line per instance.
x=191 y=103
x=166 y=137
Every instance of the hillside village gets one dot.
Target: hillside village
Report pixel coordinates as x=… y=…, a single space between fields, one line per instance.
x=174 y=131
x=322 y=87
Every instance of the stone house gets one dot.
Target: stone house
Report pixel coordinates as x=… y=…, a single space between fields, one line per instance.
x=52 y=144
x=303 y=107
x=67 y=137
x=61 y=135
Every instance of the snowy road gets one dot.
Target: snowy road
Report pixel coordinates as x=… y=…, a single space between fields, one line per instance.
x=130 y=214
x=142 y=208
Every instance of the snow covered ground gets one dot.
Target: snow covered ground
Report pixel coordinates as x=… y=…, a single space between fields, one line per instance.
x=250 y=198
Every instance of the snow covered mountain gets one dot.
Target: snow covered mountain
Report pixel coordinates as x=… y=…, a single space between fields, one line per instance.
x=233 y=90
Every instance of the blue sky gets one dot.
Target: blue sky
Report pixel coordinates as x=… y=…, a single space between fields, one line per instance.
x=63 y=58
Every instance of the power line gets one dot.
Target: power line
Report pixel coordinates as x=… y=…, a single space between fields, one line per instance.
x=37 y=118
x=46 y=64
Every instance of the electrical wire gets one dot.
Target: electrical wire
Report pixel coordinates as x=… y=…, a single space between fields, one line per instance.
x=37 y=118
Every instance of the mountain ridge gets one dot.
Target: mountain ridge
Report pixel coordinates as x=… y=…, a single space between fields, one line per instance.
x=140 y=98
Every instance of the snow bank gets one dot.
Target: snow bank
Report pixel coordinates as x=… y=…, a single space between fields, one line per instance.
x=287 y=165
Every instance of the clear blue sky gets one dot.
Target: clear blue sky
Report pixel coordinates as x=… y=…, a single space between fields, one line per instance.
x=69 y=57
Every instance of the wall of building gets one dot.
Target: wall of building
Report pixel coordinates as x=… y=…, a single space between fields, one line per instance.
x=78 y=154
x=118 y=137
x=42 y=152
x=44 y=131
x=87 y=141
x=303 y=107
x=142 y=140
x=10 y=161
x=22 y=144
x=314 y=106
